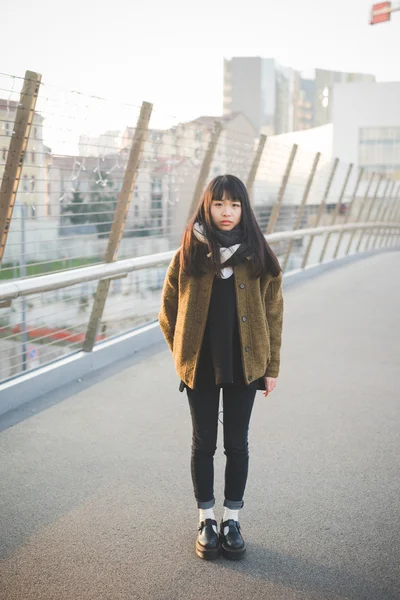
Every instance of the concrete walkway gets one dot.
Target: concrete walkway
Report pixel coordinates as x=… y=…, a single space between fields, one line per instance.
x=96 y=499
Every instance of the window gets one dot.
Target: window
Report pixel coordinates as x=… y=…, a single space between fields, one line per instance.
x=36 y=133
x=7 y=127
x=379 y=148
x=156 y=202
x=33 y=157
x=156 y=185
x=4 y=153
x=33 y=183
x=25 y=183
x=33 y=211
x=325 y=97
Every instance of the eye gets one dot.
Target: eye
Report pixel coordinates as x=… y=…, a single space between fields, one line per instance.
x=237 y=204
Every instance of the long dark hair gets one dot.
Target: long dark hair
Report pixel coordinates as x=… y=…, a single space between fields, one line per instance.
x=193 y=255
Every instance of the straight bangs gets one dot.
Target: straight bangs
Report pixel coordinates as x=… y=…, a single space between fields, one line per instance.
x=234 y=188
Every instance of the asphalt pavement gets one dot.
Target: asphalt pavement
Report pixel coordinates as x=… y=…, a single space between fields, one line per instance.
x=96 y=499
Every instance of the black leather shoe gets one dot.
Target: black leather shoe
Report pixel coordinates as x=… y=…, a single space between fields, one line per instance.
x=232 y=544
x=207 y=543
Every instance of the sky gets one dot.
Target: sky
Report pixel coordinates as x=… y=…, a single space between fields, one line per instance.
x=171 y=53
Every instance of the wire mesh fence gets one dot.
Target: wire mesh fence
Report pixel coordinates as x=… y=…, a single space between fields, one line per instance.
x=74 y=166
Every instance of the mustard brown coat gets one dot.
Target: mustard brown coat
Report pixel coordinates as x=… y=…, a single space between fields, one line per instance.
x=184 y=310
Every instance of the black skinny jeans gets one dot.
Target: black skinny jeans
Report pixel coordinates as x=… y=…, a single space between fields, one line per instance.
x=237 y=406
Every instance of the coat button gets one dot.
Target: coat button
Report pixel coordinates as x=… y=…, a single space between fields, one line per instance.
x=244 y=319
x=242 y=286
x=246 y=348
x=249 y=378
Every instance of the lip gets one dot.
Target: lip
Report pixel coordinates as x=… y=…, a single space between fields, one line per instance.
x=226 y=222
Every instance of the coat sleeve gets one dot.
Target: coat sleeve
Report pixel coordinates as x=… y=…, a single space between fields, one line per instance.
x=169 y=302
x=274 y=310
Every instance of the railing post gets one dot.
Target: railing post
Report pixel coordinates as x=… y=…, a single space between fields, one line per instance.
x=255 y=165
x=118 y=224
x=16 y=152
x=382 y=211
x=205 y=169
x=277 y=206
x=336 y=211
x=380 y=179
x=395 y=220
x=360 y=211
x=391 y=215
x=378 y=213
x=301 y=207
x=348 y=211
x=320 y=210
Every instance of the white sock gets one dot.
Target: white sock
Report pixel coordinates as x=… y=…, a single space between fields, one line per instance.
x=207 y=513
x=229 y=513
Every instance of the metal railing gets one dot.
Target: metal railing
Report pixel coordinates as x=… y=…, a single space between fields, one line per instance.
x=121 y=268
x=61 y=341
x=89 y=225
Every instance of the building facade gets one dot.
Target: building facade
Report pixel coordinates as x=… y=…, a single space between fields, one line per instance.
x=304 y=107
x=277 y=99
x=366 y=125
x=262 y=90
x=324 y=84
x=32 y=202
x=33 y=187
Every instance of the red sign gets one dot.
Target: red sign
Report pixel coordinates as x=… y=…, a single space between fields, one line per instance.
x=380 y=12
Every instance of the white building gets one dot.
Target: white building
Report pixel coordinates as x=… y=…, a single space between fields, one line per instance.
x=32 y=217
x=104 y=144
x=190 y=139
x=366 y=125
x=278 y=99
x=32 y=189
x=264 y=91
x=325 y=82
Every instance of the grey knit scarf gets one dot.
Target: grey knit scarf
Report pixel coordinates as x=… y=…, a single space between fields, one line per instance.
x=232 y=247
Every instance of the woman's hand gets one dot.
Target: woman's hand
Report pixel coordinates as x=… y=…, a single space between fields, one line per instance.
x=270 y=383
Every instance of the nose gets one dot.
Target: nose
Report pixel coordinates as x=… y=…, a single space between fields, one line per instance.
x=227 y=211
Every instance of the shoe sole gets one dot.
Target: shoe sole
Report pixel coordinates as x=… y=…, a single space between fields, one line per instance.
x=208 y=554
x=233 y=554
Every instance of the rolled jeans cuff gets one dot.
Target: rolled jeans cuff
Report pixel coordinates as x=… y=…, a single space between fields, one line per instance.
x=208 y=504
x=233 y=504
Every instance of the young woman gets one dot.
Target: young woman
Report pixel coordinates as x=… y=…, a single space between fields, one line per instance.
x=221 y=314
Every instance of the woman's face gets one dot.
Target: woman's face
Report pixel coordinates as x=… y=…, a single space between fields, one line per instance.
x=226 y=213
